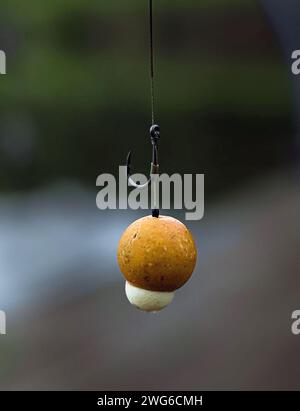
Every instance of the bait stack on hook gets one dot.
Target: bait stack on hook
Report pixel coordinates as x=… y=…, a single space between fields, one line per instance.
x=156 y=254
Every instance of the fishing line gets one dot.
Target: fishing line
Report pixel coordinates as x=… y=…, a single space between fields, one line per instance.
x=152 y=62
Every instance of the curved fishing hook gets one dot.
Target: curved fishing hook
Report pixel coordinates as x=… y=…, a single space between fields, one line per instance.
x=154 y=169
x=155 y=135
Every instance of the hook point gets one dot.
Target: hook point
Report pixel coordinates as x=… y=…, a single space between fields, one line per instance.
x=128 y=160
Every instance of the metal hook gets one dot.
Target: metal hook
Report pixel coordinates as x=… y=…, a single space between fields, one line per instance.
x=155 y=136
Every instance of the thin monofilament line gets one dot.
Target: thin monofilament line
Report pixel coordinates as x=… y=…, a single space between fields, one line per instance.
x=152 y=62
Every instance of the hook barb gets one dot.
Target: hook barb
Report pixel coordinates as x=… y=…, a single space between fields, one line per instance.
x=128 y=163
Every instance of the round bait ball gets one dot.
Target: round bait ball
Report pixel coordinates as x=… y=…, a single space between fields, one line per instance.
x=156 y=255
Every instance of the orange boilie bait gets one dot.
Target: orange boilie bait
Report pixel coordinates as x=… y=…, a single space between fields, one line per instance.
x=156 y=256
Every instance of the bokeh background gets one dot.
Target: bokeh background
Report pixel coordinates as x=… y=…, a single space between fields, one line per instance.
x=75 y=99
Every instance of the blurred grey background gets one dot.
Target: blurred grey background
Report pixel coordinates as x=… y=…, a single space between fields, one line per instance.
x=75 y=99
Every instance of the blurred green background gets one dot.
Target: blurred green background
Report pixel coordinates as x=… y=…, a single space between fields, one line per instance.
x=77 y=94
